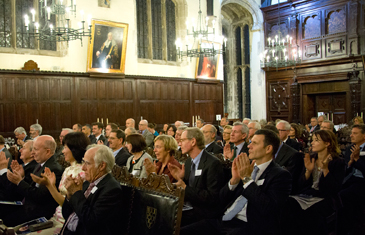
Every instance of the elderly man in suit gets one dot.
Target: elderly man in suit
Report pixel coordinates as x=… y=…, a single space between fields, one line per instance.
x=148 y=136
x=116 y=142
x=313 y=126
x=211 y=146
x=290 y=159
x=35 y=131
x=284 y=130
x=37 y=202
x=237 y=143
x=94 y=206
x=252 y=128
x=202 y=178
x=21 y=136
x=6 y=187
x=255 y=194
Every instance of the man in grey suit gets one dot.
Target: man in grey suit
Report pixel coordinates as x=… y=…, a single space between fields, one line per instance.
x=148 y=136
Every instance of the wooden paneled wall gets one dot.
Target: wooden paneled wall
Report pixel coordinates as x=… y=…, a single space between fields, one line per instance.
x=59 y=100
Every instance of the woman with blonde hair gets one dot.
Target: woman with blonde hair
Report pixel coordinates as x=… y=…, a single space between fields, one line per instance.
x=165 y=148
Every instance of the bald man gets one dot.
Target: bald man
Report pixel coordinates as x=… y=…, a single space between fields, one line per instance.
x=38 y=202
x=148 y=136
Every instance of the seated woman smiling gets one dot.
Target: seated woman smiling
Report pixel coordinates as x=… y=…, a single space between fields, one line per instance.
x=165 y=147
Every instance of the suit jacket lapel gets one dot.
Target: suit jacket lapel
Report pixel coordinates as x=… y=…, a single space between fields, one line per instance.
x=282 y=154
x=187 y=170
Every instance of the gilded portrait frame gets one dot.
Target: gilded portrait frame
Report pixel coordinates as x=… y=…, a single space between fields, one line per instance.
x=214 y=61
x=108 y=61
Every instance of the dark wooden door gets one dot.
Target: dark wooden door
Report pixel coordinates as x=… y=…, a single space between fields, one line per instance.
x=333 y=105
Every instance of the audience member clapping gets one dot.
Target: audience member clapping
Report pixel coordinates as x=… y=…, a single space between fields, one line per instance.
x=165 y=147
x=136 y=145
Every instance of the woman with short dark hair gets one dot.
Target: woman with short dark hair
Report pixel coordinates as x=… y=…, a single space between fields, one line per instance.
x=171 y=130
x=318 y=187
x=136 y=145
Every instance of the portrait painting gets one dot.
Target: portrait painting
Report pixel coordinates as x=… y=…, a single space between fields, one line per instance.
x=207 y=67
x=107 y=47
x=104 y=3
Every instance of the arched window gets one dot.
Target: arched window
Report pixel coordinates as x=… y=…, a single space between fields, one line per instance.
x=160 y=25
x=12 y=29
x=239 y=92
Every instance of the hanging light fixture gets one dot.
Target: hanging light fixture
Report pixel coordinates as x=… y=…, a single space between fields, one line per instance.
x=200 y=31
x=280 y=50
x=62 y=31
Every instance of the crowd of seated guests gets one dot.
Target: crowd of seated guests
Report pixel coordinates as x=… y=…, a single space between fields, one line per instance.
x=284 y=178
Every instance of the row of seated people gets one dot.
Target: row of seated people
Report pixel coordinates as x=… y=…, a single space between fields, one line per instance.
x=257 y=195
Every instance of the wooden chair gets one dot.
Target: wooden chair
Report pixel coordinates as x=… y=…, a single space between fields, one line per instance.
x=154 y=204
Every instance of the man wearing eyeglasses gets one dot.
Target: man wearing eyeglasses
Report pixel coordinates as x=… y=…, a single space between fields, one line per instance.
x=210 y=132
x=94 y=206
x=38 y=201
x=284 y=130
x=202 y=178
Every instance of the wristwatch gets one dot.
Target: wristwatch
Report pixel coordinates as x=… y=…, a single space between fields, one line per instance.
x=246 y=179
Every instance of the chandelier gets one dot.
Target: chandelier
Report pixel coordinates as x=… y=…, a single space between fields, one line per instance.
x=200 y=32
x=62 y=31
x=280 y=50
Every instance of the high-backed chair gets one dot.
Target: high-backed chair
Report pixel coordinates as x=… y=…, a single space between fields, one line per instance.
x=154 y=204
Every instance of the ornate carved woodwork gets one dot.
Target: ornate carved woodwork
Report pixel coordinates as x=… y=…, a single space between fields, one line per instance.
x=330 y=35
x=355 y=93
x=279 y=96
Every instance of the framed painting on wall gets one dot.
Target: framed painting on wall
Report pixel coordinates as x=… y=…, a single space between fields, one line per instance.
x=107 y=47
x=207 y=67
x=104 y=3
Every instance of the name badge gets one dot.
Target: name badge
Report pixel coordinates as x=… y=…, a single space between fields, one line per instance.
x=94 y=189
x=37 y=185
x=198 y=172
x=362 y=153
x=260 y=182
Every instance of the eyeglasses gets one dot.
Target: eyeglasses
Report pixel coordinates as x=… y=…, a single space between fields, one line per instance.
x=181 y=140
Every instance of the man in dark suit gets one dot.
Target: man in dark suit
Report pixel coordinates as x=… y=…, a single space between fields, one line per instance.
x=253 y=126
x=116 y=141
x=7 y=192
x=238 y=141
x=95 y=206
x=353 y=188
x=86 y=129
x=202 y=178
x=21 y=136
x=5 y=150
x=38 y=201
x=97 y=128
x=148 y=136
x=108 y=129
x=290 y=159
x=254 y=195
x=211 y=146
x=313 y=126
x=284 y=130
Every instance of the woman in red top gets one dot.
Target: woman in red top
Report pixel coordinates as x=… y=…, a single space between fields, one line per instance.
x=165 y=147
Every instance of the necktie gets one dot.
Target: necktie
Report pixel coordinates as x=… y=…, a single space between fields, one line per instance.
x=73 y=220
x=234 y=153
x=37 y=170
x=192 y=174
x=241 y=202
x=312 y=129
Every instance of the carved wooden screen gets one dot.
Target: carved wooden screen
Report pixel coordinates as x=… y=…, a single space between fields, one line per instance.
x=156 y=29
x=142 y=29
x=171 y=30
x=22 y=8
x=5 y=23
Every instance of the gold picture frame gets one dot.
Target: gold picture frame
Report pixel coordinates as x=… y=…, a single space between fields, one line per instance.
x=107 y=47
x=207 y=67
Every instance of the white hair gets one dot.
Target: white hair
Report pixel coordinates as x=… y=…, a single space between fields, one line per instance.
x=20 y=130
